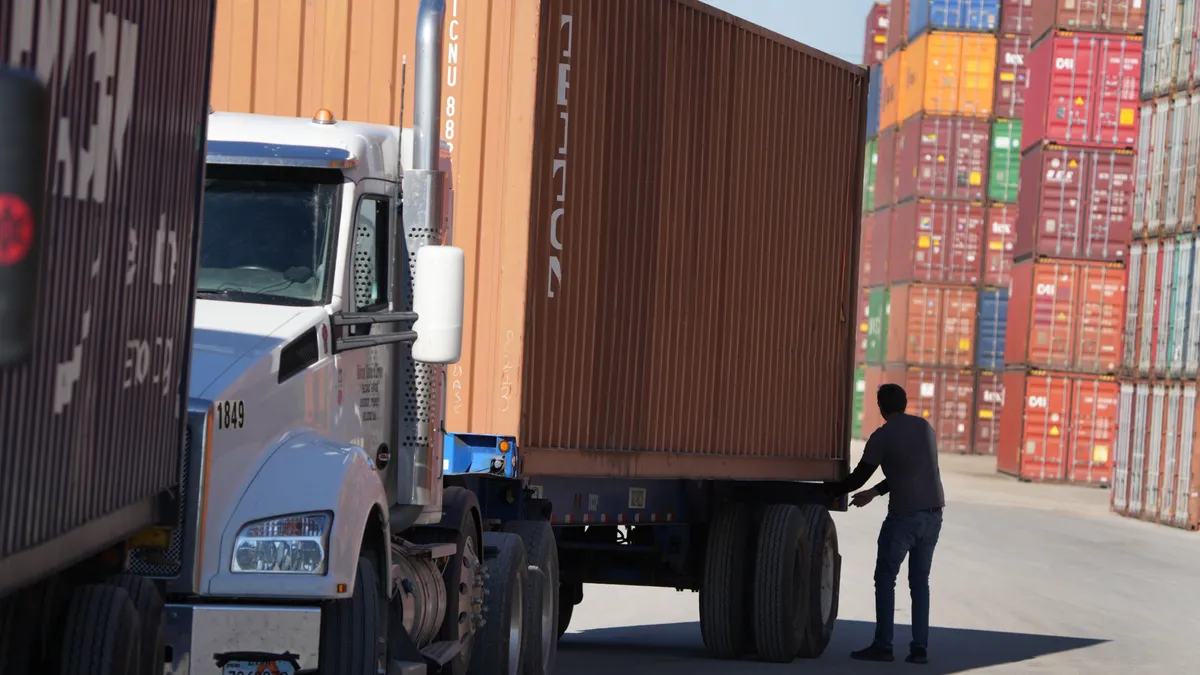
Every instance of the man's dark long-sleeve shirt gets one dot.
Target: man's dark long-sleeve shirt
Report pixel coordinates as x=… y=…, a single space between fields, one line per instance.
x=906 y=448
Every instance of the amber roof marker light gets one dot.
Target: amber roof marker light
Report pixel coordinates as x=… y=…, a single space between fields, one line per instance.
x=323 y=116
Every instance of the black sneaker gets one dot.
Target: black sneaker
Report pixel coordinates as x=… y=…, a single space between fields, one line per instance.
x=917 y=656
x=873 y=653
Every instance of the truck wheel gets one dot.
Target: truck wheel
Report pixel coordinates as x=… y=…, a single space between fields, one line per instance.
x=354 y=630
x=565 y=609
x=724 y=615
x=463 y=575
x=541 y=601
x=779 y=584
x=149 y=604
x=822 y=576
x=498 y=642
x=101 y=635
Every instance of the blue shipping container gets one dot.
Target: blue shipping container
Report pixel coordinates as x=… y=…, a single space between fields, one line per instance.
x=873 y=92
x=971 y=16
x=993 y=321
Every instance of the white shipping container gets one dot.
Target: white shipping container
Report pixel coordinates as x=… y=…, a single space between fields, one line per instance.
x=1150 y=55
x=1145 y=325
x=1175 y=154
x=1185 y=64
x=1183 y=289
x=1153 y=476
x=1120 y=482
x=1168 y=45
x=1137 y=449
x=1171 y=442
x=1133 y=299
x=1180 y=516
x=1191 y=167
x=1164 y=302
x=1157 y=158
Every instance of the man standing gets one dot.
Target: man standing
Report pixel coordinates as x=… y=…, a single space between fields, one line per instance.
x=906 y=449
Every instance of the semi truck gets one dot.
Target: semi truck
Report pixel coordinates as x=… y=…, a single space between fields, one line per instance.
x=658 y=208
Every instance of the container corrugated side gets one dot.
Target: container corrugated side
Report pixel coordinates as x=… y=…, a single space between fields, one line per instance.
x=1083 y=90
x=856 y=411
x=1012 y=76
x=877 y=325
x=937 y=242
x=889 y=94
x=897 y=35
x=1161 y=52
x=874 y=100
x=1122 y=452
x=866 y=248
x=885 y=168
x=1004 y=174
x=657 y=267
x=945 y=397
x=942 y=158
x=875 y=35
x=92 y=424
x=870 y=174
x=881 y=240
x=932 y=325
x=989 y=403
x=1016 y=17
x=1135 y=273
x=975 y=16
x=948 y=74
x=993 y=321
x=1101 y=16
x=999 y=237
x=864 y=326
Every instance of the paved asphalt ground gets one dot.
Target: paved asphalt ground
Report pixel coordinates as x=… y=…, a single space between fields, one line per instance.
x=1026 y=579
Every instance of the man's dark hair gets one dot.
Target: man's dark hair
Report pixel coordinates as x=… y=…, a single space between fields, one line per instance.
x=892 y=399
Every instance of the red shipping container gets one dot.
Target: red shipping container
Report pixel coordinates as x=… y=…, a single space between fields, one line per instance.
x=1012 y=75
x=936 y=242
x=945 y=397
x=1076 y=203
x=872 y=379
x=866 y=249
x=875 y=43
x=998 y=239
x=1016 y=17
x=989 y=402
x=1065 y=315
x=943 y=158
x=860 y=344
x=1058 y=427
x=1083 y=90
x=885 y=169
x=1098 y=16
x=932 y=325
x=897 y=35
x=881 y=238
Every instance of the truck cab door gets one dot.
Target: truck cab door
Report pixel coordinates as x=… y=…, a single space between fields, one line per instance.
x=365 y=375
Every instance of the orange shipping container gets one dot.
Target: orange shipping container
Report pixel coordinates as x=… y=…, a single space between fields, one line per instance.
x=889 y=93
x=932 y=325
x=1058 y=427
x=627 y=247
x=876 y=376
x=948 y=74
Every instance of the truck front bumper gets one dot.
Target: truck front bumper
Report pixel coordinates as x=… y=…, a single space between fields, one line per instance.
x=196 y=634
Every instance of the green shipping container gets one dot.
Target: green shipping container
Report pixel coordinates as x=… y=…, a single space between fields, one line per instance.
x=878 y=309
x=860 y=388
x=1005 y=169
x=871 y=160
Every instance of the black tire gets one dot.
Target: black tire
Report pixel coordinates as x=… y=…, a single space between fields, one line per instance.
x=102 y=634
x=779 y=622
x=541 y=602
x=565 y=609
x=462 y=572
x=354 y=629
x=495 y=642
x=823 y=569
x=724 y=590
x=149 y=604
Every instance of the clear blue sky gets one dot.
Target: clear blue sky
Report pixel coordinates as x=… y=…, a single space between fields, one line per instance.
x=833 y=26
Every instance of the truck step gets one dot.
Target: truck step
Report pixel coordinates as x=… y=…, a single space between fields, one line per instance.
x=440 y=653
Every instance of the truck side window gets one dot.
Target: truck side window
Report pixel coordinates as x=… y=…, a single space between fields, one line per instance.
x=369 y=264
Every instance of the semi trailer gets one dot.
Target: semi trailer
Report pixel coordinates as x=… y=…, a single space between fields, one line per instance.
x=658 y=205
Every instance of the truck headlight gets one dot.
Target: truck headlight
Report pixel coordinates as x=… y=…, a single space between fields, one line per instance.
x=294 y=544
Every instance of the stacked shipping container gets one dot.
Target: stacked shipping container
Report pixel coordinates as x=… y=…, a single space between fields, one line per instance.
x=1157 y=472
x=929 y=240
x=1079 y=123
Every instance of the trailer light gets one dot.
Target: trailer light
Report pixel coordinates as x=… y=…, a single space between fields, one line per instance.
x=294 y=544
x=323 y=116
x=505 y=446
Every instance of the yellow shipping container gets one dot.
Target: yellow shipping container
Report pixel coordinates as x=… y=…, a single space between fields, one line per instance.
x=889 y=93
x=948 y=74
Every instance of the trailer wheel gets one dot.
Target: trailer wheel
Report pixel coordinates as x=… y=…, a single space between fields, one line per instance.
x=822 y=577
x=149 y=604
x=463 y=575
x=498 y=645
x=541 y=602
x=354 y=630
x=724 y=615
x=779 y=584
x=102 y=635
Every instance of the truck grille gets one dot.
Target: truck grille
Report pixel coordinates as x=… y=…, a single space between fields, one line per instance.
x=167 y=565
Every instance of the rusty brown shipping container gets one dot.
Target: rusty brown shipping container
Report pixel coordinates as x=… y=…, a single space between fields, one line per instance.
x=91 y=423
x=659 y=204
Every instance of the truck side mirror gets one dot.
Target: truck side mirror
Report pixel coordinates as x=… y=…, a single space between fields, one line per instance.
x=438 y=302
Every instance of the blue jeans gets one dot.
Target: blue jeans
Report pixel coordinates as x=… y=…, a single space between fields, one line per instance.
x=904 y=534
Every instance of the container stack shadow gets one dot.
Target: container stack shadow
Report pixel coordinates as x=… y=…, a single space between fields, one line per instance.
x=1157 y=472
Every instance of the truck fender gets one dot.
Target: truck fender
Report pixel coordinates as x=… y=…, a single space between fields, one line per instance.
x=308 y=473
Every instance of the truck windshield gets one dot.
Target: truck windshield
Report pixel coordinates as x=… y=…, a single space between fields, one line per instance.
x=267 y=234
